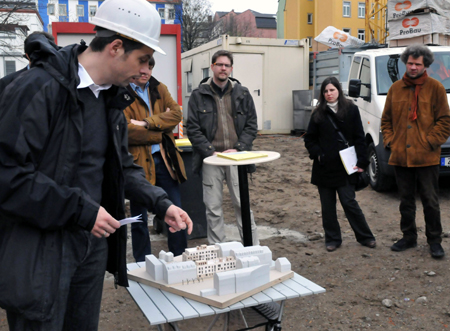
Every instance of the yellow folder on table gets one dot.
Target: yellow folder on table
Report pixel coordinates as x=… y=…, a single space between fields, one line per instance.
x=182 y=142
x=240 y=156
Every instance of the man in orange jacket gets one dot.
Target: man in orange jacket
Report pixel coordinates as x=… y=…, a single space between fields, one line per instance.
x=151 y=120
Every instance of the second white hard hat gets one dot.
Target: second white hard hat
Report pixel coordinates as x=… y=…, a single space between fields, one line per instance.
x=135 y=19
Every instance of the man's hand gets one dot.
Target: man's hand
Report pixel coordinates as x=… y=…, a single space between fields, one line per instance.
x=105 y=224
x=230 y=151
x=139 y=123
x=358 y=169
x=178 y=219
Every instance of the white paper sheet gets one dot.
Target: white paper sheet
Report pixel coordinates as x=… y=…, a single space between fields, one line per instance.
x=131 y=220
x=349 y=159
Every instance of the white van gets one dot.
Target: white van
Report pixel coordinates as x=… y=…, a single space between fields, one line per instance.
x=371 y=75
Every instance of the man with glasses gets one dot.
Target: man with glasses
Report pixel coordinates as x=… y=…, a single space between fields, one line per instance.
x=222 y=119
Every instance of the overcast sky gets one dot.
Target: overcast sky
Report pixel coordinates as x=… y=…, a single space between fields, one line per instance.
x=261 y=6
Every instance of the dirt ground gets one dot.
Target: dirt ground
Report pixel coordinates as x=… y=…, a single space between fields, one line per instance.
x=357 y=279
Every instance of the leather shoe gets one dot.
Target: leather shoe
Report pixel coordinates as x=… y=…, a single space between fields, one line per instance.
x=371 y=244
x=332 y=248
x=403 y=245
x=436 y=250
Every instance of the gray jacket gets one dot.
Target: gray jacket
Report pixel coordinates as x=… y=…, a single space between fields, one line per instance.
x=202 y=120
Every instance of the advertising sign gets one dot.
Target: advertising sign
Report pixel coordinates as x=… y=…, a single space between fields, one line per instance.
x=418 y=25
x=336 y=38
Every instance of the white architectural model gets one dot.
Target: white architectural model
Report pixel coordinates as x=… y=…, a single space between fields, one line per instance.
x=235 y=268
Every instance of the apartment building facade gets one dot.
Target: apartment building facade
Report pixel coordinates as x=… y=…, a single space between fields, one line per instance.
x=17 y=25
x=83 y=11
x=299 y=19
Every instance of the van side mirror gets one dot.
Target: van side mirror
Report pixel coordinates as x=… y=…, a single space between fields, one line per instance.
x=354 y=88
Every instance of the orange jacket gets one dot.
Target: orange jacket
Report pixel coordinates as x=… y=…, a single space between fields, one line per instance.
x=161 y=123
x=416 y=143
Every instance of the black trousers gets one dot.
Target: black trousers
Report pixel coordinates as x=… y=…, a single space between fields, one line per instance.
x=78 y=302
x=426 y=181
x=352 y=211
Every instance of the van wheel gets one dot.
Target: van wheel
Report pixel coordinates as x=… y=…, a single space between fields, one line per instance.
x=378 y=180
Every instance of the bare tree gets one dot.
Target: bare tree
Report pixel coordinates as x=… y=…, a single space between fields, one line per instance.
x=13 y=23
x=196 y=23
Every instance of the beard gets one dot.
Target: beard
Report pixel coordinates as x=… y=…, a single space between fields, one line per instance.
x=221 y=79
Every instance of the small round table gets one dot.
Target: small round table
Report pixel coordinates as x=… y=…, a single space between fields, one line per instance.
x=243 y=185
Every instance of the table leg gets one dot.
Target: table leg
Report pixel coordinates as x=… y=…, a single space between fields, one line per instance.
x=213 y=322
x=277 y=326
x=226 y=322
x=245 y=205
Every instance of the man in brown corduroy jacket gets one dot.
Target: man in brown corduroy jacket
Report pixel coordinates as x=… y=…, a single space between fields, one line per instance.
x=415 y=123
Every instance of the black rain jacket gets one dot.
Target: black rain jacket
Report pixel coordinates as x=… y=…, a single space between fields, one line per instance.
x=41 y=125
x=202 y=120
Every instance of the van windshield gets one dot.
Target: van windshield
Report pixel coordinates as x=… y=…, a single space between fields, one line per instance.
x=390 y=68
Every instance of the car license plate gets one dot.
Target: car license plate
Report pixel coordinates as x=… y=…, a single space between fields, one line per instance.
x=445 y=161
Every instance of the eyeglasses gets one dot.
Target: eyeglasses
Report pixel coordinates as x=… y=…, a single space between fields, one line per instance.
x=222 y=65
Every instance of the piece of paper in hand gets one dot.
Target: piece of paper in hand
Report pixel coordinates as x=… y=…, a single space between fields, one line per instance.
x=131 y=220
x=349 y=159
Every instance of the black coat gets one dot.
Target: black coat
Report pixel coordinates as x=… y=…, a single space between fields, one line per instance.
x=323 y=140
x=5 y=81
x=202 y=120
x=33 y=44
x=40 y=148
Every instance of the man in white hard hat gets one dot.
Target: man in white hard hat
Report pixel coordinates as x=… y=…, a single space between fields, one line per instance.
x=65 y=171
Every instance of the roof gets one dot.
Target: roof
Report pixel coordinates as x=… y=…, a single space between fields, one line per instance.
x=256 y=14
x=223 y=13
x=263 y=21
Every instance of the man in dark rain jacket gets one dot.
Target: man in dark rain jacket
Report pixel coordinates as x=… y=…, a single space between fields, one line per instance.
x=65 y=171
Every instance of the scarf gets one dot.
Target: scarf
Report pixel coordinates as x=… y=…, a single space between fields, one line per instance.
x=333 y=106
x=417 y=82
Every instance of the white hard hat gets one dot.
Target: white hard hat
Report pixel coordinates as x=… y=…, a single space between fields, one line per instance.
x=134 y=19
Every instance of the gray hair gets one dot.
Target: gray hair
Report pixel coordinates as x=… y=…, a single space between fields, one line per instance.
x=417 y=51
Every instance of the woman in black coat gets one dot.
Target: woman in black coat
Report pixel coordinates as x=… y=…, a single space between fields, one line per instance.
x=324 y=143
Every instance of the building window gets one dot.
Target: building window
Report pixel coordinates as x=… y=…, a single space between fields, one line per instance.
x=171 y=14
x=362 y=34
x=205 y=72
x=346 y=9
x=361 y=10
x=51 y=9
x=310 y=41
x=189 y=82
x=62 y=10
x=310 y=18
x=346 y=30
x=161 y=12
x=92 y=10
x=10 y=67
x=365 y=78
x=80 y=10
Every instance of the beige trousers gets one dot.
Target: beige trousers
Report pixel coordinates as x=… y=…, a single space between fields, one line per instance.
x=213 y=178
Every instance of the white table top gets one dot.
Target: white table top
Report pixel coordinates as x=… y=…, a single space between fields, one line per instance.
x=220 y=161
x=161 y=307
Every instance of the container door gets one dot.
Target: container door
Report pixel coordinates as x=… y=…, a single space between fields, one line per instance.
x=248 y=69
